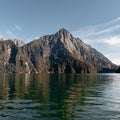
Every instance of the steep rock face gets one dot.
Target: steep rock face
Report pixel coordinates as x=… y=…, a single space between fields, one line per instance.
x=54 y=54
x=8 y=52
x=118 y=70
x=85 y=52
x=57 y=53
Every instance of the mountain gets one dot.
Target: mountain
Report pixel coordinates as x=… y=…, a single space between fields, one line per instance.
x=17 y=42
x=57 y=53
x=118 y=70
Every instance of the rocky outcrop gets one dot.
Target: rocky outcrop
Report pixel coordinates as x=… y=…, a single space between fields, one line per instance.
x=57 y=53
x=18 y=43
x=8 y=52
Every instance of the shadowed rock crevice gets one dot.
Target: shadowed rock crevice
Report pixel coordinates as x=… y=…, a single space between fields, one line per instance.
x=12 y=58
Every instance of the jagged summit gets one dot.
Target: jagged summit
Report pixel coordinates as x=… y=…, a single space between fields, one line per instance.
x=17 y=42
x=63 y=32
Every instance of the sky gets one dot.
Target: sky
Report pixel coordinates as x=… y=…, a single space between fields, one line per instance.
x=96 y=22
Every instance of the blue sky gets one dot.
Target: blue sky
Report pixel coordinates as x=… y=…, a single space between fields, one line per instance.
x=96 y=22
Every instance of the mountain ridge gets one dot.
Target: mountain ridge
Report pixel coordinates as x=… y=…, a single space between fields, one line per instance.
x=18 y=43
x=57 y=53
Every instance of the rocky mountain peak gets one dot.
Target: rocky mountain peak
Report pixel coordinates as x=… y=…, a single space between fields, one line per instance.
x=56 y=53
x=18 y=43
x=63 y=32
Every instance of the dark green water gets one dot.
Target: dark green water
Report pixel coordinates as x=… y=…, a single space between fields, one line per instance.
x=60 y=97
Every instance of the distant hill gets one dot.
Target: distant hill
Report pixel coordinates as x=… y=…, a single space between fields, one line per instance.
x=17 y=42
x=57 y=53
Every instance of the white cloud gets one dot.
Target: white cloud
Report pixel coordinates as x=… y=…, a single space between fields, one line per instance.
x=36 y=38
x=113 y=40
x=18 y=27
x=108 y=41
x=115 y=61
x=104 y=37
x=9 y=34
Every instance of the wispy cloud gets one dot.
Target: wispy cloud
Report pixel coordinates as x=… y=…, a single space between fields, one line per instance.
x=99 y=31
x=16 y=31
x=105 y=37
x=11 y=31
x=18 y=27
x=113 y=41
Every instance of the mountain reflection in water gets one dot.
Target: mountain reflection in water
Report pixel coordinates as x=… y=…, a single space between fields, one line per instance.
x=59 y=96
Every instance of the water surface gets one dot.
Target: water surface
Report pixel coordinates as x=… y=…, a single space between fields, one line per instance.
x=59 y=97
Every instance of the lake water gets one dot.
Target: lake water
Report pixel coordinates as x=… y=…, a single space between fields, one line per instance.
x=60 y=97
